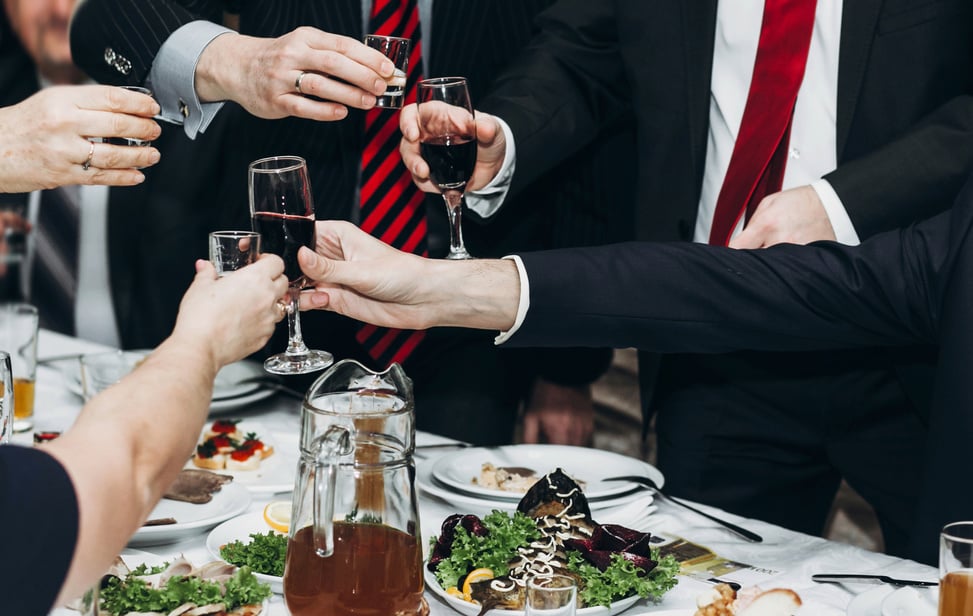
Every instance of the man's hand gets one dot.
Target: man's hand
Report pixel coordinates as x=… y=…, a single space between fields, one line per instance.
x=261 y=74
x=45 y=138
x=359 y=276
x=793 y=216
x=559 y=414
x=490 y=151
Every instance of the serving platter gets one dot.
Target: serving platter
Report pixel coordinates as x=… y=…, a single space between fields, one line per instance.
x=239 y=529
x=590 y=467
x=232 y=500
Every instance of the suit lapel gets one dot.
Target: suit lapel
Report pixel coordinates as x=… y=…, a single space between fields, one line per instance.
x=699 y=28
x=858 y=22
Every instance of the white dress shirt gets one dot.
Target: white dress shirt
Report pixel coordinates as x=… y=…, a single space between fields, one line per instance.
x=813 y=145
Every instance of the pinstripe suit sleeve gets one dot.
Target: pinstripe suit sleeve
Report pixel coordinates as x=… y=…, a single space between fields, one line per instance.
x=116 y=41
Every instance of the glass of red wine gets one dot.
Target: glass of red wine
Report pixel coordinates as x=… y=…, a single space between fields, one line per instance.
x=447 y=141
x=282 y=212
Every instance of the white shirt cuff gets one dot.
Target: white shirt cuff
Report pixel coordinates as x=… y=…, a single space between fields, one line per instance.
x=488 y=199
x=522 y=305
x=173 y=76
x=844 y=230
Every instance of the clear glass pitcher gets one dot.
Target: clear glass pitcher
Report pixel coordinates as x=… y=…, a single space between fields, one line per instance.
x=354 y=545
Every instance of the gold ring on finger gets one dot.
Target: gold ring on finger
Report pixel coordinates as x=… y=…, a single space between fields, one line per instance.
x=91 y=153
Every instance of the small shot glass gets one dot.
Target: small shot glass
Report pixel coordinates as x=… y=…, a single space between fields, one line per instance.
x=395 y=49
x=555 y=595
x=125 y=140
x=231 y=250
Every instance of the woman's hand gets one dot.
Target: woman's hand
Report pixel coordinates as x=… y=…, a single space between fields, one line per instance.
x=44 y=140
x=233 y=316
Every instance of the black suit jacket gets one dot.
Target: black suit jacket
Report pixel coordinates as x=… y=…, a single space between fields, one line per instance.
x=901 y=287
x=459 y=45
x=904 y=116
x=156 y=230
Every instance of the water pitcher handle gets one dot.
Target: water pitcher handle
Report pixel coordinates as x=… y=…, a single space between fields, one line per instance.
x=330 y=446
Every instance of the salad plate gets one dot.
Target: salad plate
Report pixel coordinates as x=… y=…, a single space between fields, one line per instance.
x=233 y=499
x=239 y=529
x=276 y=473
x=589 y=467
x=472 y=609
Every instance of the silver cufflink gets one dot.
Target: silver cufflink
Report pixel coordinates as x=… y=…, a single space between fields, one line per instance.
x=117 y=61
x=183 y=108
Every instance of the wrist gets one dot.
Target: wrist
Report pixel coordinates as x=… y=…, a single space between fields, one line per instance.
x=480 y=294
x=220 y=67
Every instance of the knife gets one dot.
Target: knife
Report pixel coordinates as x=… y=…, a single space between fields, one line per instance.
x=840 y=578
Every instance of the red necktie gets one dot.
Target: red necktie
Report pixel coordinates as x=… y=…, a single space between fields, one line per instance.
x=392 y=208
x=760 y=153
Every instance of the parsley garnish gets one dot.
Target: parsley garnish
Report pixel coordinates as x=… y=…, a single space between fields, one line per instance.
x=264 y=554
x=133 y=595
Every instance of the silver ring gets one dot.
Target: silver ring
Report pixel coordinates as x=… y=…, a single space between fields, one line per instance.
x=297 y=82
x=87 y=162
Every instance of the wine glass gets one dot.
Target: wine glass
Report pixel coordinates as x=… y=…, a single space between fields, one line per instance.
x=282 y=212
x=447 y=141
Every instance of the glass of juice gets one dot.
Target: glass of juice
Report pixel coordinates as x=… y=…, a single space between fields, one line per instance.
x=18 y=337
x=956 y=569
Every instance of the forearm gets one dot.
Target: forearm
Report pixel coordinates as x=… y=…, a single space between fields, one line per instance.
x=479 y=294
x=126 y=448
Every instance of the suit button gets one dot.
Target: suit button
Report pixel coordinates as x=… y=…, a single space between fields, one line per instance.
x=117 y=61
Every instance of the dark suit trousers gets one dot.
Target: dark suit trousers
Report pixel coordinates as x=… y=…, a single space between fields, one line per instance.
x=771 y=435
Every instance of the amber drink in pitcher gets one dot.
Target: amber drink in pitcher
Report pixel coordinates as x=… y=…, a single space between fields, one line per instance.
x=354 y=546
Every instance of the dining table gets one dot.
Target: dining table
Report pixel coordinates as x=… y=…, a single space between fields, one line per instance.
x=784 y=559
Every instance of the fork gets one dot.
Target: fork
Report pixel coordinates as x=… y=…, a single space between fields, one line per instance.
x=648 y=483
x=271 y=382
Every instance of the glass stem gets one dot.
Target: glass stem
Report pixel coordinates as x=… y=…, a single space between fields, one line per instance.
x=454 y=209
x=295 y=339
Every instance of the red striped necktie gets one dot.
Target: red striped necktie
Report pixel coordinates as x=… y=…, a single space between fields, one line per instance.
x=760 y=153
x=392 y=208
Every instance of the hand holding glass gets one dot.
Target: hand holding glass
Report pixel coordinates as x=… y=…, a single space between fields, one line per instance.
x=282 y=212
x=231 y=250
x=447 y=141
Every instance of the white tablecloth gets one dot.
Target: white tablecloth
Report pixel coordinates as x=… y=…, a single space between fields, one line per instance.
x=794 y=555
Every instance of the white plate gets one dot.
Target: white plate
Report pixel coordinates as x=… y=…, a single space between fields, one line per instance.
x=590 y=466
x=229 y=393
x=911 y=602
x=472 y=609
x=233 y=499
x=869 y=603
x=276 y=473
x=239 y=529
x=478 y=504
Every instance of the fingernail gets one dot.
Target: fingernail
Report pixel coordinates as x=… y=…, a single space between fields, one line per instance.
x=367 y=101
x=340 y=112
x=378 y=86
x=139 y=178
x=388 y=68
x=154 y=156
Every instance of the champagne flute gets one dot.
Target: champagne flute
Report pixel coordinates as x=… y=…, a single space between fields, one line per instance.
x=447 y=141
x=282 y=212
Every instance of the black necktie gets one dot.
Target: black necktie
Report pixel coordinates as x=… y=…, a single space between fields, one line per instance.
x=54 y=281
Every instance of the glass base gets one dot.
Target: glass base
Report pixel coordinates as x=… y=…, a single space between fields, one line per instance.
x=312 y=361
x=457 y=255
x=23 y=425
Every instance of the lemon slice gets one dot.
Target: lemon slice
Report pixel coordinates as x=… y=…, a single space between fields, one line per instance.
x=475 y=575
x=277 y=515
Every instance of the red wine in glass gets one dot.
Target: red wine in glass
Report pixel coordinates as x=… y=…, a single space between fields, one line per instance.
x=282 y=212
x=451 y=159
x=283 y=235
x=447 y=130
